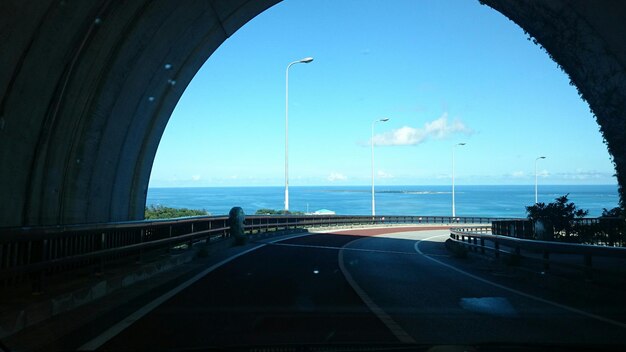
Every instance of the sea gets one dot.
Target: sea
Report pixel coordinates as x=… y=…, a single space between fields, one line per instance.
x=482 y=201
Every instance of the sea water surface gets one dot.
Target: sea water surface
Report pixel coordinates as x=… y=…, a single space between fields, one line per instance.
x=485 y=201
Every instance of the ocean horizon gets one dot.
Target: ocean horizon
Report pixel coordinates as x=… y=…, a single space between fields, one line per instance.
x=434 y=200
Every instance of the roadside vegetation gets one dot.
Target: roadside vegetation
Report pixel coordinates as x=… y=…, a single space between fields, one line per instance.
x=557 y=216
x=154 y=212
x=265 y=211
x=563 y=221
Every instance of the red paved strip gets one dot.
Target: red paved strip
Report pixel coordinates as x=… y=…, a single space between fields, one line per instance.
x=381 y=231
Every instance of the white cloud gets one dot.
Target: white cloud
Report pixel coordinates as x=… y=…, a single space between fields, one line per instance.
x=543 y=173
x=196 y=177
x=382 y=174
x=518 y=174
x=436 y=129
x=335 y=176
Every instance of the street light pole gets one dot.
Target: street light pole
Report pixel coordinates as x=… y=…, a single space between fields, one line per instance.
x=453 y=200
x=372 y=143
x=306 y=60
x=537 y=159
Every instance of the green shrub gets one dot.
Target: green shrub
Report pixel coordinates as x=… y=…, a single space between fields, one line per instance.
x=557 y=217
x=161 y=212
x=266 y=211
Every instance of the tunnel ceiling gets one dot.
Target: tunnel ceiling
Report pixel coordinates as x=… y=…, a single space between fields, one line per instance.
x=87 y=88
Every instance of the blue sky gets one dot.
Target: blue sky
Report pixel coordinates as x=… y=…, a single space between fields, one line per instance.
x=443 y=72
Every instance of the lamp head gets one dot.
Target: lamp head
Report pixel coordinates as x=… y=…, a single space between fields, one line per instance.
x=306 y=60
x=384 y=120
x=461 y=144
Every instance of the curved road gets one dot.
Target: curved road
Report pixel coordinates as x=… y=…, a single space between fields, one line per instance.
x=350 y=286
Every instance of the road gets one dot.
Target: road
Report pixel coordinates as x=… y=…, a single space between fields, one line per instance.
x=354 y=287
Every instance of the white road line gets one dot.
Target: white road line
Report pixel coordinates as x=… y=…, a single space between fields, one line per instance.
x=111 y=332
x=391 y=324
x=523 y=294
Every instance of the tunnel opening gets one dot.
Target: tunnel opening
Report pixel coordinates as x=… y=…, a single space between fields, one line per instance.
x=260 y=94
x=87 y=89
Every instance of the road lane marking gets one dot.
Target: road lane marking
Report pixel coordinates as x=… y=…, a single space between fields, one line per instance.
x=391 y=324
x=114 y=330
x=512 y=290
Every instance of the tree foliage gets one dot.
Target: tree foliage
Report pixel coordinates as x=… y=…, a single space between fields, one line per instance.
x=561 y=219
x=609 y=229
x=557 y=215
x=613 y=213
x=161 y=212
x=266 y=211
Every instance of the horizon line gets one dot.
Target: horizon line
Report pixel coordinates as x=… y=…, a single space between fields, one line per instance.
x=405 y=185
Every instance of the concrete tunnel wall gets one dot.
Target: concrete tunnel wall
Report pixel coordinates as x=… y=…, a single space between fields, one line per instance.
x=87 y=88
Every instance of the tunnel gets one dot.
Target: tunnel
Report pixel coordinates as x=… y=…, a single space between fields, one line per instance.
x=87 y=89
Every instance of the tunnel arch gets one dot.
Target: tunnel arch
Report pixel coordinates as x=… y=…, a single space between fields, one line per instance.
x=87 y=88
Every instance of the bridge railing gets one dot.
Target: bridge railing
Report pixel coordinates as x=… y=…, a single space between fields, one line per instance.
x=33 y=253
x=30 y=254
x=481 y=239
x=607 y=231
x=259 y=221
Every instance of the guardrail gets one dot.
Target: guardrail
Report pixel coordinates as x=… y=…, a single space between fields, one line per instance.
x=604 y=230
x=476 y=237
x=34 y=253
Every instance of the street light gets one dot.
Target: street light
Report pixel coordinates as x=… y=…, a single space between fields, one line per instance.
x=453 y=200
x=541 y=157
x=372 y=143
x=306 y=60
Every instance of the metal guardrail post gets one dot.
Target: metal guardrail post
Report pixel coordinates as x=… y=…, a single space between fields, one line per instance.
x=497 y=249
x=482 y=245
x=190 y=242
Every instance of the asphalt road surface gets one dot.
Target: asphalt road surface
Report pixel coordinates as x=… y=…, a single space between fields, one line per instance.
x=358 y=288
